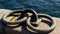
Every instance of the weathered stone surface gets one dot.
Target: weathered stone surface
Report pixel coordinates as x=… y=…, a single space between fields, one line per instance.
x=2 y=13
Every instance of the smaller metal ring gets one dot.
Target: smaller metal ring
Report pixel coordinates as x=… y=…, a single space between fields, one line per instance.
x=34 y=17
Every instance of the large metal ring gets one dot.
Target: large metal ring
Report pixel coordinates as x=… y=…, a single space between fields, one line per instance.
x=9 y=18
x=36 y=29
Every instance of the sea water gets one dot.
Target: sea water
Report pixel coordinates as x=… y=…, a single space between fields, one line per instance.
x=51 y=7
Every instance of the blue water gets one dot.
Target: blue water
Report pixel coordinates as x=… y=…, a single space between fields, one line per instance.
x=51 y=7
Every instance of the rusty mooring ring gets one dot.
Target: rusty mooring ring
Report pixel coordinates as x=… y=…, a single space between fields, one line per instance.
x=13 y=23
x=35 y=29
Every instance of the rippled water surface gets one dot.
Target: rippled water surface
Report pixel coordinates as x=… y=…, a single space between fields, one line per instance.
x=51 y=7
